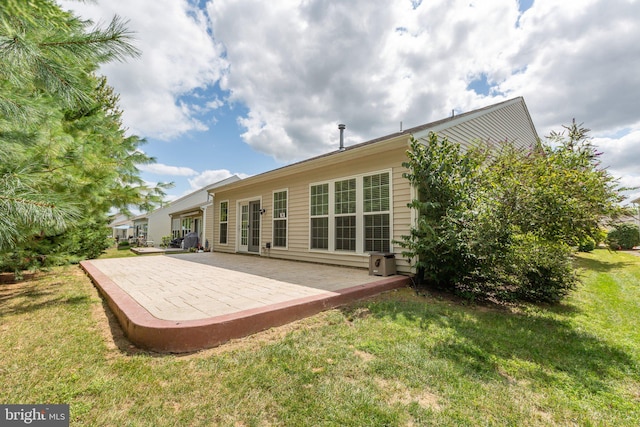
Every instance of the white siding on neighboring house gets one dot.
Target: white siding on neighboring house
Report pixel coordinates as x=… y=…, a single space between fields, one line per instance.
x=160 y=220
x=159 y=225
x=121 y=227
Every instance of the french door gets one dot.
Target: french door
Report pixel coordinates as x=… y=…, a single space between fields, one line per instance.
x=249 y=226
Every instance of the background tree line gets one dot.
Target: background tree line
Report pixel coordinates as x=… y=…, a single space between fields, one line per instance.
x=503 y=222
x=65 y=159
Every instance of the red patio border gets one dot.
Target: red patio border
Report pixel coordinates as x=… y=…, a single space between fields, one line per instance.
x=168 y=336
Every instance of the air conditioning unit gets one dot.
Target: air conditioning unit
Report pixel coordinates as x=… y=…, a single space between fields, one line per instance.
x=382 y=264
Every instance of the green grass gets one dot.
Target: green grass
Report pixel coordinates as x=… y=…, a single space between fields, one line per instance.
x=113 y=252
x=398 y=359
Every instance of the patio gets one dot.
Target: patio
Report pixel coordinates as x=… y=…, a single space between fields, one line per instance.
x=187 y=302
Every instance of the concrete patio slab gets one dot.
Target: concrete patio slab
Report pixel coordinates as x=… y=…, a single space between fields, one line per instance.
x=187 y=302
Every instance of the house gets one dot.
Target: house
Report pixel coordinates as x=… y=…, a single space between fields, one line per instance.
x=182 y=215
x=174 y=219
x=121 y=227
x=339 y=207
x=140 y=226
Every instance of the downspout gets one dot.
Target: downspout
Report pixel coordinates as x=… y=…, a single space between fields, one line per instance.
x=204 y=225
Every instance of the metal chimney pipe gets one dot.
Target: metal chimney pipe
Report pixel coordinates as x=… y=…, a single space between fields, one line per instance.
x=341 y=127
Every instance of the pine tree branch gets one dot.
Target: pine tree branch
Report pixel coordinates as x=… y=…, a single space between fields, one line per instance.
x=27 y=202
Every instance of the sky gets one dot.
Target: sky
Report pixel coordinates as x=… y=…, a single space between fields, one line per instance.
x=242 y=87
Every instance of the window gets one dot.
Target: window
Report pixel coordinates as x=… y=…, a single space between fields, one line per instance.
x=224 y=221
x=280 y=219
x=346 y=233
x=244 y=224
x=376 y=212
x=376 y=233
x=376 y=192
x=175 y=228
x=345 y=194
x=352 y=214
x=186 y=226
x=345 y=209
x=319 y=216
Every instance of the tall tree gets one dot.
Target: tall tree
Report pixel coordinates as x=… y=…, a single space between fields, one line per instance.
x=65 y=159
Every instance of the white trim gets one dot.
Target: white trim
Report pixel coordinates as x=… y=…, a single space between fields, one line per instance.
x=238 y=236
x=273 y=220
x=359 y=214
x=220 y=222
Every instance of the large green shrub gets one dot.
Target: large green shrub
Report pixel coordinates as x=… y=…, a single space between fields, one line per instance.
x=502 y=224
x=446 y=181
x=124 y=244
x=543 y=269
x=624 y=236
x=587 y=244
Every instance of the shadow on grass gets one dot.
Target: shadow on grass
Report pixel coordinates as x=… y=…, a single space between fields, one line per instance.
x=20 y=299
x=120 y=340
x=603 y=266
x=544 y=344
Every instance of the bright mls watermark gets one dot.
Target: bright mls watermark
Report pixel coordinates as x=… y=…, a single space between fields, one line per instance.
x=34 y=415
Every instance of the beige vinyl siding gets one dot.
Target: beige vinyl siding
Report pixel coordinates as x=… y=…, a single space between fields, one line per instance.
x=510 y=122
x=231 y=224
x=402 y=218
x=387 y=157
x=208 y=225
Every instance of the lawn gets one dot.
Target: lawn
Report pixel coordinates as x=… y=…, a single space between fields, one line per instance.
x=398 y=359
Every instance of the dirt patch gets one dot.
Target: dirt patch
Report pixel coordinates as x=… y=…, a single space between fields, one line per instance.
x=367 y=357
x=355 y=312
x=399 y=393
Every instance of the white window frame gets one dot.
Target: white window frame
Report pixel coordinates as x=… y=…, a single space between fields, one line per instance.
x=220 y=222
x=360 y=243
x=317 y=216
x=378 y=212
x=279 y=218
x=176 y=226
x=355 y=214
x=186 y=225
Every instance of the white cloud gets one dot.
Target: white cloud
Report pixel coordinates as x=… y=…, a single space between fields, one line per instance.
x=300 y=68
x=579 y=62
x=621 y=154
x=179 y=56
x=160 y=169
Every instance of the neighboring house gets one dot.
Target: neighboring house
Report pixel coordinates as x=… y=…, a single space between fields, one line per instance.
x=181 y=215
x=140 y=226
x=158 y=224
x=632 y=218
x=174 y=219
x=121 y=227
x=339 y=207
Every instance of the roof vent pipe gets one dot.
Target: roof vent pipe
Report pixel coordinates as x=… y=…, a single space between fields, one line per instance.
x=341 y=127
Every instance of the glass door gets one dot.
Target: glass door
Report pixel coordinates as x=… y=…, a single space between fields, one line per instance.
x=244 y=227
x=254 y=226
